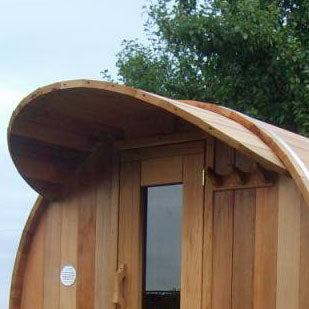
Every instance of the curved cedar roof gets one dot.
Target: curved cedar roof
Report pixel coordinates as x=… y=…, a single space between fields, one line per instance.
x=56 y=127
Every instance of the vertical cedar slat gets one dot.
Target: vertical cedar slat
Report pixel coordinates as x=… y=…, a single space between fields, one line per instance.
x=266 y=235
x=69 y=246
x=223 y=233
x=32 y=297
x=288 y=245
x=103 y=271
x=208 y=228
x=86 y=239
x=222 y=248
x=243 y=249
x=192 y=232
x=115 y=210
x=52 y=256
x=304 y=257
x=224 y=158
x=130 y=232
x=244 y=163
x=106 y=232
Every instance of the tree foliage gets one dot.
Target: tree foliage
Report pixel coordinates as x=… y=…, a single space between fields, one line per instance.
x=250 y=55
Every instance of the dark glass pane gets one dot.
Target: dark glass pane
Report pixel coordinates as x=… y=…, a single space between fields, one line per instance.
x=163 y=247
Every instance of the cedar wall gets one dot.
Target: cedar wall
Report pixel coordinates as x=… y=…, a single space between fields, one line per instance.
x=80 y=230
x=255 y=252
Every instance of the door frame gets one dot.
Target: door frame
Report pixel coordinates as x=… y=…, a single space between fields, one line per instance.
x=181 y=163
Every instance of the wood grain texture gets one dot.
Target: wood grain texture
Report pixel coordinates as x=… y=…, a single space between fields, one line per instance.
x=107 y=179
x=266 y=242
x=304 y=257
x=163 y=151
x=231 y=131
x=44 y=171
x=161 y=171
x=118 y=104
x=131 y=233
x=222 y=250
x=23 y=251
x=86 y=240
x=208 y=228
x=159 y=140
x=288 y=257
x=223 y=232
x=52 y=253
x=284 y=144
x=192 y=233
x=243 y=249
x=69 y=245
x=61 y=107
x=55 y=135
x=33 y=283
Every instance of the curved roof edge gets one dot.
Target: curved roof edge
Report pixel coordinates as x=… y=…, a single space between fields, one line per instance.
x=265 y=143
x=293 y=163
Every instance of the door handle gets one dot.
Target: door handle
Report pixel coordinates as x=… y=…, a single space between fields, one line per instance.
x=118 y=298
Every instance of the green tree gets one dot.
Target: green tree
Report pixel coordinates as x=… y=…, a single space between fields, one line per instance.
x=250 y=55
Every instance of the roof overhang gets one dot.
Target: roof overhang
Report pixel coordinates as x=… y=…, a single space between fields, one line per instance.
x=54 y=128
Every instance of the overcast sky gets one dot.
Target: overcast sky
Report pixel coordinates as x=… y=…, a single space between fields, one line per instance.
x=42 y=42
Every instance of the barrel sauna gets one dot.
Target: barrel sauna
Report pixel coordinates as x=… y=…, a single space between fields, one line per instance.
x=149 y=202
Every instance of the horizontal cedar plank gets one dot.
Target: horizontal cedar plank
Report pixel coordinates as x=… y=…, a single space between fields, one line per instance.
x=47 y=116
x=162 y=151
x=73 y=104
x=55 y=135
x=161 y=171
x=252 y=185
x=42 y=170
x=27 y=147
x=107 y=111
x=160 y=140
x=104 y=105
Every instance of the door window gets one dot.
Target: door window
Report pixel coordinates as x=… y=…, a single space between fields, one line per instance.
x=162 y=247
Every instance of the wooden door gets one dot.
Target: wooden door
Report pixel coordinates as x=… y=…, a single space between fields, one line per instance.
x=156 y=166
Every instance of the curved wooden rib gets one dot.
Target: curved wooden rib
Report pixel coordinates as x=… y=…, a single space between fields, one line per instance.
x=287 y=155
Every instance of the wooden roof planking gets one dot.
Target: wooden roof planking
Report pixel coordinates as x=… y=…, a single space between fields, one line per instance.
x=56 y=127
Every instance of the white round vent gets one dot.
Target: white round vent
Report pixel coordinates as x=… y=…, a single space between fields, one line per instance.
x=68 y=275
